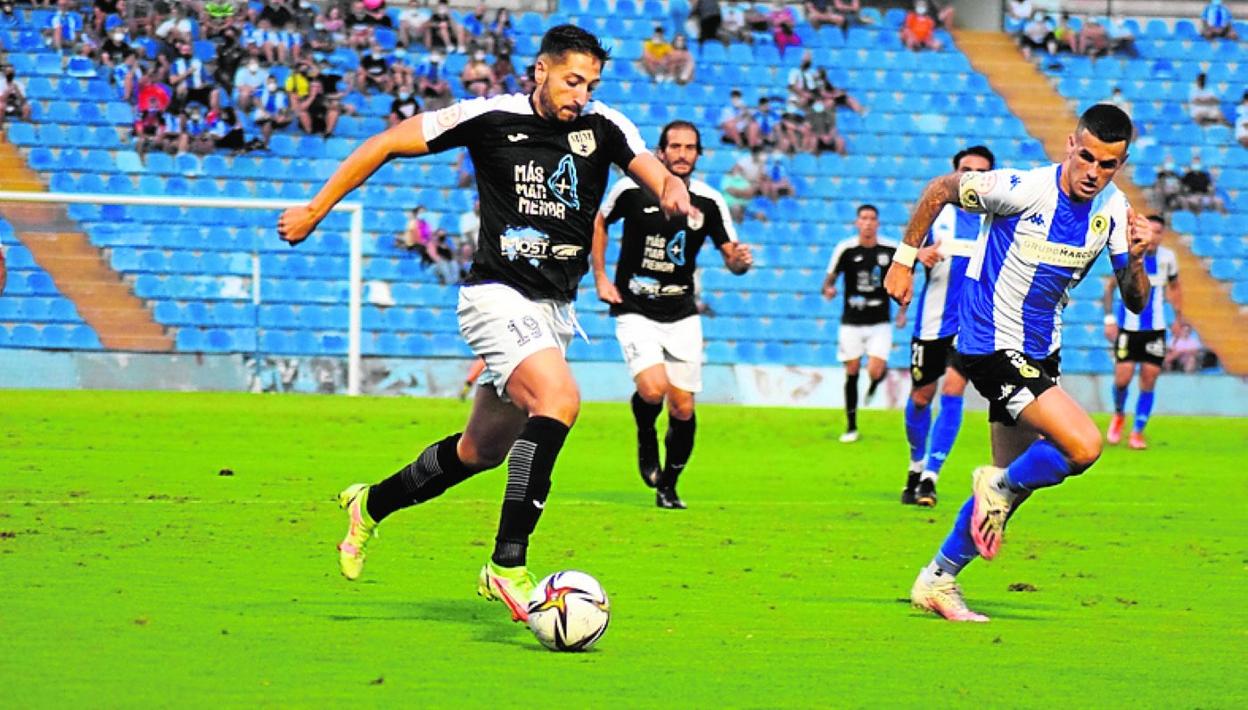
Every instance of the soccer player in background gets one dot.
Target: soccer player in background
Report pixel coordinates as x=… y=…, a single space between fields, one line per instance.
x=542 y=166
x=1141 y=338
x=945 y=253
x=865 y=326
x=653 y=301
x=1046 y=227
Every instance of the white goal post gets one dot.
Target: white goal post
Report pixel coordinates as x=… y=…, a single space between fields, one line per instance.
x=356 y=231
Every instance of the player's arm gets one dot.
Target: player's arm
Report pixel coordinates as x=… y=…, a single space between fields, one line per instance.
x=737 y=257
x=1174 y=294
x=829 y=283
x=598 y=258
x=653 y=176
x=1132 y=277
x=404 y=139
x=1107 y=300
x=941 y=191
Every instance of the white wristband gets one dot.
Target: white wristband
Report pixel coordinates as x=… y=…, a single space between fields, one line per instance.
x=1110 y=320
x=905 y=255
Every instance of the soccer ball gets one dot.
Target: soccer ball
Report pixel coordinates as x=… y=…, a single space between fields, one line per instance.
x=569 y=611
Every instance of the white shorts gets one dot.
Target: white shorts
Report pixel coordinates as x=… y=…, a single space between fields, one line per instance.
x=854 y=341
x=677 y=346
x=503 y=328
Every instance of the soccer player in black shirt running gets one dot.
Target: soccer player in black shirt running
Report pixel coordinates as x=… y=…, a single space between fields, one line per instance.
x=865 y=329
x=542 y=164
x=657 y=321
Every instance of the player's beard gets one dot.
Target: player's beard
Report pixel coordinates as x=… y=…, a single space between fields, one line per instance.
x=687 y=167
x=548 y=106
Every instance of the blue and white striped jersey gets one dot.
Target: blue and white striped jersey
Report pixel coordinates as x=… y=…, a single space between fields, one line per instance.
x=958 y=231
x=1162 y=268
x=1036 y=245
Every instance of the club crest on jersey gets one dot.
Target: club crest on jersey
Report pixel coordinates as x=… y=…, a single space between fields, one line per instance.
x=1099 y=225
x=582 y=143
x=695 y=220
x=882 y=259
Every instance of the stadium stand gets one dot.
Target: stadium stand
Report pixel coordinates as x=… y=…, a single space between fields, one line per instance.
x=194 y=266
x=33 y=313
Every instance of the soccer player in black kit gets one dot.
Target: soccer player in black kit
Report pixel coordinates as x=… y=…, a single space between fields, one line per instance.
x=865 y=329
x=542 y=164
x=652 y=298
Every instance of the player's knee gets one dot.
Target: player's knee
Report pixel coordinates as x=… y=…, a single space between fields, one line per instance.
x=560 y=401
x=651 y=391
x=482 y=455
x=1084 y=449
x=681 y=409
x=922 y=397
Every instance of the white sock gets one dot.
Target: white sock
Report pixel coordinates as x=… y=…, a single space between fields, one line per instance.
x=930 y=476
x=916 y=466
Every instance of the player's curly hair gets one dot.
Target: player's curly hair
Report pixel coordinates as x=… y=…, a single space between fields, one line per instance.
x=561 y=39
x=1108 y=123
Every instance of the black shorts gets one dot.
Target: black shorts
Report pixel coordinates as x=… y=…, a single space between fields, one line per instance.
x=1147 y=346
x=929 y=358
x=1011 y=380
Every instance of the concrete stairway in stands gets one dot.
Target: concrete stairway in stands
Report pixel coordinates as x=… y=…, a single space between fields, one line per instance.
x=79 y=270
x=1047 y=116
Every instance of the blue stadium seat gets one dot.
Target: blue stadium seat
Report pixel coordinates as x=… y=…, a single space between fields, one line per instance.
x=82 y=337
x=190 y=340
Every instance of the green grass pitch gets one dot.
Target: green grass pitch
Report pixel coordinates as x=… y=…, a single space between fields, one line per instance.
x=133 y=574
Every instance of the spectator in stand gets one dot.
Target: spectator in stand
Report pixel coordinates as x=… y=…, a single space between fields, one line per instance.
x=440 y=31
x=403 y=107
x=465 y=171
x=375 y=15
x=190 y=81
x=1018 y=12
x=477 y=76
x=1121 y=38
x=470 y=225
x=273 y=109
x=825 y=12
x=149 y=129
x=227 y=131
x=1216 y=22
x=10 y=19
x=1199 y=194
x=1168 y=185
x=1185 y=353
x=248 y=80
x=319 y=110
x=334 y=23
x=1116 y=98
x=824 y=135
x=1065 y=35
x=1204 y=106
x=298 y=84
x=804 y=82
x=412 y=25
x=1241 y=120
x=463 y=260
x=416 y=234
x=230 y=56
x=943 y=12
x=216 y=18
x=833 y=96
x=918 y=31
x=359 y=29
x=1094 y=38
x=505 y=81
x=654 y=53
x=680 y=63
x=13 y=96
x=151 y=93
x=277 y=14
x=793 y=133
x=783 y=26
x=767 y=117
x=737 y=124
x=1037 y=35
x=433 y=82
x=766 y=179
x=709 y=17
x=502 y=36
x=737 y=193
x=177 y=27
x=196 y=135
x=114 y=49
x=127 y=76
x=374 y=71
x=474 y=29
x=65 y=28
x=732 y=27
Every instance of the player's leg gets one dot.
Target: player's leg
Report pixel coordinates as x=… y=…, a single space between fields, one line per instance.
x=877 y=370
x=647 y=403
x=681 y=426
x=918 y=424
x=1144 y=403
x=944 y=433
x=1123 y=371
x=640 y=341
x=852 y=368
x=492 y=426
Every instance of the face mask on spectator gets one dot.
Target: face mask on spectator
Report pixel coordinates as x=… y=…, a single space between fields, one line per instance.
x=817 y=107
x=478 y=56
x=253 y=65
x=271 y=85
x=436 y=58
x=405 y=95
x=119 y=36
x=1169 y=166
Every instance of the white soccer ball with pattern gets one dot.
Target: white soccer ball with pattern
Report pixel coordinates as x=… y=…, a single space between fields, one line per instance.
x=569 y=611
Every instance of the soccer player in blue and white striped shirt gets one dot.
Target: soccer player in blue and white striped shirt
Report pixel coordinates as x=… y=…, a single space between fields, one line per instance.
x=1141 y=338
x=945 y=253
x=1044 y=229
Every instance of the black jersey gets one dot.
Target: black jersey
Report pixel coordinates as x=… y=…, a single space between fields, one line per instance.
x=540 y=183
x=658 y=256
x=866 y=301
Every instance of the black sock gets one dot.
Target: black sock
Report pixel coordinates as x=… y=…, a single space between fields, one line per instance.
x=435 y=470
x=528 y=481
x=875 y=384
x=679 y=444
x=851 y=401
x=645 y=413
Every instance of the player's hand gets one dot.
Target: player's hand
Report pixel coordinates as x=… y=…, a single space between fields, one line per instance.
x=741 y=260
x=607 y=292
x=929 y=256
x=1111 y=332
x=829 y=292
x=901 y=318
x=1139 y=233
x=675 y=201
x=296 y=223
x=899 y=282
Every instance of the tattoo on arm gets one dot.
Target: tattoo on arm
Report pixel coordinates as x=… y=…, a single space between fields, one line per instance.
x=1133 y=284
x=939 y=192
